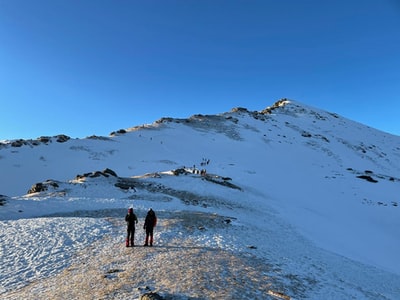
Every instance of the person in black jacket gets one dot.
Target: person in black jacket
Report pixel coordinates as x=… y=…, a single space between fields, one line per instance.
x=149 y=224
x=131 y=220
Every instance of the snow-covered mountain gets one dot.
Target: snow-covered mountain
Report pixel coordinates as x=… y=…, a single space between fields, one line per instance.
x=311 y=196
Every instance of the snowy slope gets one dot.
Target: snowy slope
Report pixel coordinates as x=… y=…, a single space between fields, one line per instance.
x=297 y=197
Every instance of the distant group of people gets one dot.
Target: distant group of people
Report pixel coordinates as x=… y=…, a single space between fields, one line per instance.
x=149 y=223
x=205 y=161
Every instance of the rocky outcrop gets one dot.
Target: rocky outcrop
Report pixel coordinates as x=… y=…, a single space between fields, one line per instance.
x=277 y=104
x=18 y=143
x=106 y=173
x=151 y=296
x=146 y=293
x=61 y=138
x=119 y=132
x=42 y=186
x=367 y=178
x=3 y=200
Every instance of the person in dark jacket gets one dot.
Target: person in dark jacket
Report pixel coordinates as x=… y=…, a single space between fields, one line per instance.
x=131 y=220
x=149 y=224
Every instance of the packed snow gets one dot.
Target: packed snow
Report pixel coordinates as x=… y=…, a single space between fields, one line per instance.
x=285 y=198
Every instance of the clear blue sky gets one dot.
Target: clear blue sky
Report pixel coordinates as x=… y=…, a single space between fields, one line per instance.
x=91 y=67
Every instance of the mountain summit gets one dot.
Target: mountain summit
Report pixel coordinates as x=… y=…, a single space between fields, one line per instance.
x=301 y=184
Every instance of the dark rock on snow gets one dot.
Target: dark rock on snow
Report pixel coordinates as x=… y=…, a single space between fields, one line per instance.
x=3 y=200
x=151 y=296
x=42 y=186
x=106 y=173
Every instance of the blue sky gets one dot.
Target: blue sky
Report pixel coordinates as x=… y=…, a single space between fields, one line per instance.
x=91 y=67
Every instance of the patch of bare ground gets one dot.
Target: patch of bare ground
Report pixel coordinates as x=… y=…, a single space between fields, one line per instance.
x=177 y=267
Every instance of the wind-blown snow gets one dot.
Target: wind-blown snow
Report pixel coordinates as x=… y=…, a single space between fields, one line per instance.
x=300 y=206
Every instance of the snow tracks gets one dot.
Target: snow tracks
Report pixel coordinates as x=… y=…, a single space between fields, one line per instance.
x=183 y=264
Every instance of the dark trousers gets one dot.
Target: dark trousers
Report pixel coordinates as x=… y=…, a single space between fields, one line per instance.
x=149 y=234
x=130 y=236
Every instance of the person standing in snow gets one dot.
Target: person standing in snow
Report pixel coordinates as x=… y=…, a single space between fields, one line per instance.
x=131 y=220
x=149 y=224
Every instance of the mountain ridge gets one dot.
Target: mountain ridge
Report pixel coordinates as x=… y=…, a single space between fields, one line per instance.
x=292 y=175
x=257 y=114
x=267 y=123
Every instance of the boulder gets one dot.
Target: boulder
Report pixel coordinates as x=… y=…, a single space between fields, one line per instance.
x=44 y=139
x=151 y=296
x=62 y=138
x=42 y=186
x=37 y=188
x=18 y=143
x=179 y=171
x=119 y=132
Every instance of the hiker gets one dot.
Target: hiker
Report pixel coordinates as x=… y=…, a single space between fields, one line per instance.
x=131 y=220
x=149 y=224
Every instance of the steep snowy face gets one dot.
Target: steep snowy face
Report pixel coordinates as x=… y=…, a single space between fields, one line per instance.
x=337 y=136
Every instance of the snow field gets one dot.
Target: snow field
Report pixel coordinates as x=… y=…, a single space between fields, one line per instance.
x=32 y=249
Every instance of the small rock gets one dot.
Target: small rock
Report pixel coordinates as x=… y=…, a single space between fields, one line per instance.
x=151 y=296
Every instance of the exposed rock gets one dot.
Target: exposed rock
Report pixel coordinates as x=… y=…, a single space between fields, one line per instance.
x=276 y=105
x=367 y=178
x=179 y=171
x=3 y=200
x=239 y=109
x=98 y=174
x=37 y=188
x=44 y=139
x=106 y=173
x=151 y=296
x=52 y=183
x=62 y=138
x=217 y=180
x=42 y=186
x=164 y=120
x=18 y=143
x=101 y=138
x=121 y=131
x=111 y=172
x=126 y=183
